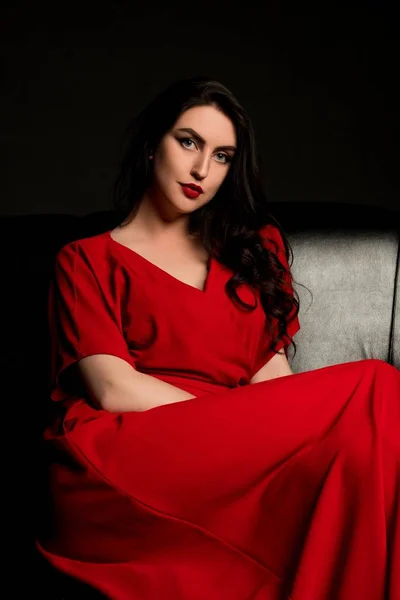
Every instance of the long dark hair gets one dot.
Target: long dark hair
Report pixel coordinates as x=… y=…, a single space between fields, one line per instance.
x=229 y=224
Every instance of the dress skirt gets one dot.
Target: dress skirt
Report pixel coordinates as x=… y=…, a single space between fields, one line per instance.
x=284 y=489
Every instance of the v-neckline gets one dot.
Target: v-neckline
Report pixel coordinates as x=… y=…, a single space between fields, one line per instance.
x=210 y=264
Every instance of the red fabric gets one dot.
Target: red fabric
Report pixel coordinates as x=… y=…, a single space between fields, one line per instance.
x=285 y=489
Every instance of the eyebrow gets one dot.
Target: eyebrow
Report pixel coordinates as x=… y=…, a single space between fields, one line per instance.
x=200 y=139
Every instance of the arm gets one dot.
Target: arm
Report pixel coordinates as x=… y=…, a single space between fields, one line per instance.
x=115 y=386
x=89 y=351
x=277 y=366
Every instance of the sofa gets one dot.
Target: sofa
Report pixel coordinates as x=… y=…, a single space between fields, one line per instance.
x=346 y=272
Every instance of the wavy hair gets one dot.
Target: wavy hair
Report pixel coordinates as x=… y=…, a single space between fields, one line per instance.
x=229 y=224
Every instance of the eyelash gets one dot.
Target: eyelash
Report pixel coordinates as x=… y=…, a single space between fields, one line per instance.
x=228 y=158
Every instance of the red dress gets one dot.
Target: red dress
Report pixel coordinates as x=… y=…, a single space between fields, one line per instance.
x=284 y=489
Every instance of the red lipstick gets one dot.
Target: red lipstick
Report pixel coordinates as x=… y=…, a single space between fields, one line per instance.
x=194 y=186
x=191 y=190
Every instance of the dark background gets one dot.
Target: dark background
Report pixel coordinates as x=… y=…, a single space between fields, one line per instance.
x=320 y=87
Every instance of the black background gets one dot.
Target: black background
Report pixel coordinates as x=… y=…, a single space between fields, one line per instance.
x=321 y=89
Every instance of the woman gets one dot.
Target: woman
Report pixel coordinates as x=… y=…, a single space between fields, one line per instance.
x=187 y=461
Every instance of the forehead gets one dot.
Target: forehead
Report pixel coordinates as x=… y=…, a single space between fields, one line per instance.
x=212 y=124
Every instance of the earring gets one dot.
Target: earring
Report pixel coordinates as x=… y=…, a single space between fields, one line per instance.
x=151 y=155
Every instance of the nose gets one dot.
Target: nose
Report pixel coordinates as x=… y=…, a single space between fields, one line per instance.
x=201 y=167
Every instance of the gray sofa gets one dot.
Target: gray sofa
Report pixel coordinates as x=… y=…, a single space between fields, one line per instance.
x=353 y=275
x=346 y=255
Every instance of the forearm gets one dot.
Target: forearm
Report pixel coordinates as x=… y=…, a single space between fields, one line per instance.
x=142 y=392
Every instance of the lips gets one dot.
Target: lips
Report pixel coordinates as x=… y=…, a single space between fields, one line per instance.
x=190 y=192
x=193 y=186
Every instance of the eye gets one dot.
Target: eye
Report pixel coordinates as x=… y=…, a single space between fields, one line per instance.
x=185 y=140
x=227 y=157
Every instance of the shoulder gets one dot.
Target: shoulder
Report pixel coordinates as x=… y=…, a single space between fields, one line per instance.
x=272 y=237
x=93 y=245
x=90 y=252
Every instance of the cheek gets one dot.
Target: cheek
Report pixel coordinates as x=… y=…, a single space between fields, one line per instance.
x=170 y=161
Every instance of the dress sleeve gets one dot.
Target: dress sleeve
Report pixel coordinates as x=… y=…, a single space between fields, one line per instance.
x=273 y=241
x=84 y=317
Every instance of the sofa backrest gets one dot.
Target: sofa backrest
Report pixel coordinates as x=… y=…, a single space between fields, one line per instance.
x=395 y=338
x=352 y=275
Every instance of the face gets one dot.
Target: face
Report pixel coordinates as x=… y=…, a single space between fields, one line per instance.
x=201 y=156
